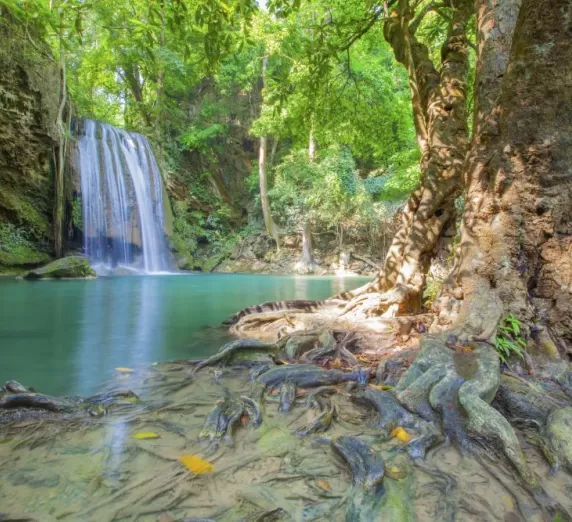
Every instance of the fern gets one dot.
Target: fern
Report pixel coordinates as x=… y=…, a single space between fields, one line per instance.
x=509 y=341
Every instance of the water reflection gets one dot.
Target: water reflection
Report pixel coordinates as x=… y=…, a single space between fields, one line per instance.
x=67 y=337
x=118 y=330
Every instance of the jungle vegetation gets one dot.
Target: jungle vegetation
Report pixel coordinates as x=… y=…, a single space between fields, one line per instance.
x=460 y=110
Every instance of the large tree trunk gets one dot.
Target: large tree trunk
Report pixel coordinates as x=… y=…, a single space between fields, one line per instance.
x=59 y=188
x=306 y=265
x=517 y=224
x=440 y=116
x=496 y=22
x=516 y=247
x=271 y=227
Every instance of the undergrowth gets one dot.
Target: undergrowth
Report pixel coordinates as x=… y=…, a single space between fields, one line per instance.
x=16 y=248
x=509 y=340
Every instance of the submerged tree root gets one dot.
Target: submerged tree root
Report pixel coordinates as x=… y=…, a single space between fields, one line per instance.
x=19 y=406
x=451 y=385
x=474 y=371
x=246 y=349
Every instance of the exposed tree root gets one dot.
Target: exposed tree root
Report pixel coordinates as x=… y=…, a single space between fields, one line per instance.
x=387 y=304
x=242 y=348
x=35 y=400
x=426 y=388
x=285 y=306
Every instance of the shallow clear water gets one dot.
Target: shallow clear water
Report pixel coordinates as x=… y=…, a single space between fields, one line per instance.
x=80 y=468
x=67 y=337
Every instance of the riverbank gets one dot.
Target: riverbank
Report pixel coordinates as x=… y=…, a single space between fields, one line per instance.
x=243 y=437
x=257 y=254
x=66 y=337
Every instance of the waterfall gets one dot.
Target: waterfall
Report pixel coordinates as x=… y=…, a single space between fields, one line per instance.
x=122 y=201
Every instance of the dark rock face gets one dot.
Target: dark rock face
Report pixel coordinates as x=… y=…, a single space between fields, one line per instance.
x=72 y=267
x=29 y=99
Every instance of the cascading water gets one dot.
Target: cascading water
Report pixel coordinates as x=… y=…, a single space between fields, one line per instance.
x=122 y=201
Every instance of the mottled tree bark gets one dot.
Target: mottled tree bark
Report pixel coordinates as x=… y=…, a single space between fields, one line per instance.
x=496 y=22
x=516 y=242
x=439 y=110
x=516 y=249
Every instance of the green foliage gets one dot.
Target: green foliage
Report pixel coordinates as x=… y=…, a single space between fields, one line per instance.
x=16 y=247
x=185 y=234
x=397 y=180
x=193 y=228
x=327 y=192
x=199 y=138
x=431 y=291
x=77 y=213
x=509 y=340
x=402 y=175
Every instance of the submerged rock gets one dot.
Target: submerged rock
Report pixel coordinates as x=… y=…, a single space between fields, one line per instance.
x=558 y=449
x=72 y=267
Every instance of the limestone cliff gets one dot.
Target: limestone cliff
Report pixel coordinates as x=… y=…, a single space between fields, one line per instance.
x=29 y=97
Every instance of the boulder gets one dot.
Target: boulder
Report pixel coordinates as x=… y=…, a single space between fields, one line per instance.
x=72 y=267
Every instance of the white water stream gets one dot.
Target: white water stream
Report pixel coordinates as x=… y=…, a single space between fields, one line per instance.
x=122 y=201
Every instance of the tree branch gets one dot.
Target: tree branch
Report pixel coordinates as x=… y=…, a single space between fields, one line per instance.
x=431 y=6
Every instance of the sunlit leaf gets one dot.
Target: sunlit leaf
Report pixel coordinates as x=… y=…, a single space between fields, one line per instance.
x=146 y=435
x=401 y=434
x=196 y=464
x=384 y=387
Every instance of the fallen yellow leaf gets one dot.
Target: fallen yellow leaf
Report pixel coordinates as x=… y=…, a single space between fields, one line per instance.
x=395 y=473
x=384 y=387
x=400 y=433
x=195 y=464
x=146 y=435
x=508 y=502
x=122 y=369
x=324 y=484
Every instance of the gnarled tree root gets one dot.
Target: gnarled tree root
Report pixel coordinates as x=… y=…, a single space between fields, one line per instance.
x=242 y=348
x=365 y=498
x=400 y=298
x=473 y=371
x=460 y=382
x=35 y=400
x=26 y=404
x=300 y=306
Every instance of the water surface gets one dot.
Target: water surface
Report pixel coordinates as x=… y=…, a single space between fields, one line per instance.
x=67 y=337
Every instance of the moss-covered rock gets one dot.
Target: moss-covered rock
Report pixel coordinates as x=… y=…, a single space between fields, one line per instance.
x=17 y=251
x=72 y=267
x=558 y=433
